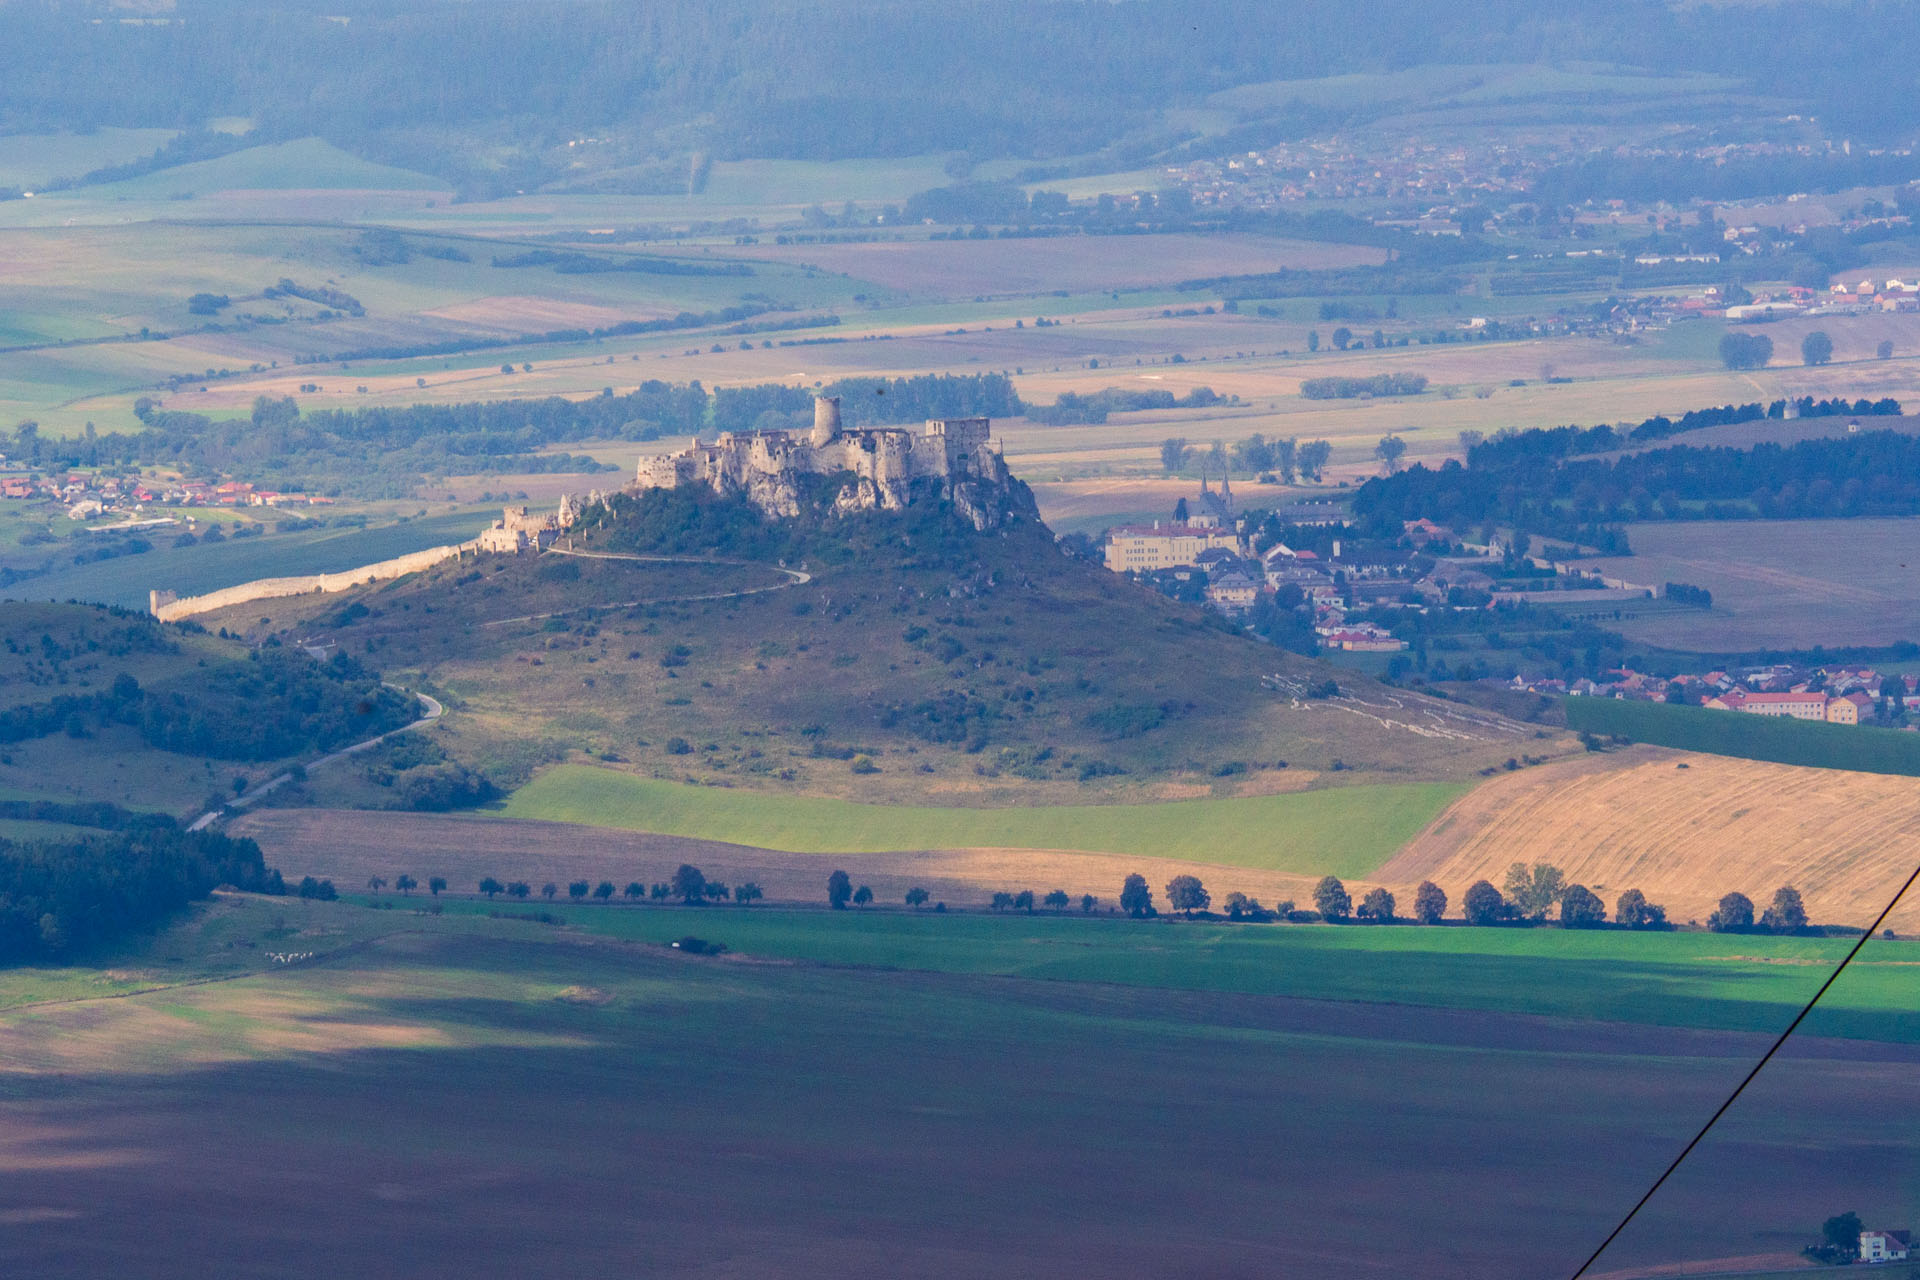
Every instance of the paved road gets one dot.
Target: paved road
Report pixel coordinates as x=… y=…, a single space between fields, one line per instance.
x=431 y=708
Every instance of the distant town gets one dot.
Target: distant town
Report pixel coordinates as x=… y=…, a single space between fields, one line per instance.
x=1210 y=552
x=90 y=496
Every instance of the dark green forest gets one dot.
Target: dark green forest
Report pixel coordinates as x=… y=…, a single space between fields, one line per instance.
x=1527 y=480
x=417 y=81
x=275 y=703
x=60 y=898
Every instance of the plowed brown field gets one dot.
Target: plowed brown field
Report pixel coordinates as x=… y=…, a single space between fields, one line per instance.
x=1685 y=829
x=350 y=846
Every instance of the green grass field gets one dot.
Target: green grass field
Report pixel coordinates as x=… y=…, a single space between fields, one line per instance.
x=1705 y=980
x=28 y=160
x=1339 y=831
x=898 y=1095
x=1862 y=749
x=301 y=164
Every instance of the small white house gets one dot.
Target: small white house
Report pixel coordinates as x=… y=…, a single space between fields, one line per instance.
x=1883 y=1246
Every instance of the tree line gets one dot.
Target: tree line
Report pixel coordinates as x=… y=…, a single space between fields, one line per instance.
x=275 y=703
x=1531 y=894
x=59 y=898
x=386 y=452
x=1872 y=473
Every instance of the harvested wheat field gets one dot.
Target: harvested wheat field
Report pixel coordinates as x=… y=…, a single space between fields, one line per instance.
x=1685 y=829
x=352 y=846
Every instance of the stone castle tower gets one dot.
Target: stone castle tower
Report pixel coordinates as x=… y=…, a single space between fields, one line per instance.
x=885 y=467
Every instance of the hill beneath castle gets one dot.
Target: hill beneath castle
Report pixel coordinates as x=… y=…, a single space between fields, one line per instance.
x=884 y=656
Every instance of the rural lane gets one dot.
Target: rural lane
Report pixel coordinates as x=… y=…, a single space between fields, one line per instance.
x=795 y=578
x=432 y=711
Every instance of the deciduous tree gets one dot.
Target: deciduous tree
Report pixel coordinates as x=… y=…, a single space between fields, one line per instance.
x=1816 y=347
x=863 y=895
x=490 y=886
x=839 y=889
x=1186 y=894
x=1390 y=450
x=1429 y=903
x=688 y=884
x=1135 y=898
x=1377 y=905
x=1734 y=914
x=1057 y=899
x=1331 y=899
x=1483 y=904
x=1581 y=908
x=1746 y=350
x=917 y=897
x=1635 y=912
x=1787 y=914
x=1534 y=890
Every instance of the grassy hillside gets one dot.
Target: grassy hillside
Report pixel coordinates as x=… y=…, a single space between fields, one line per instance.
x=302 y=164
x=1344 y=831
x=922 y=663
x=104 y=704
x=1726 y=733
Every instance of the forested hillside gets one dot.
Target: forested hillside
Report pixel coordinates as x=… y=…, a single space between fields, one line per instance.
x=736 y=78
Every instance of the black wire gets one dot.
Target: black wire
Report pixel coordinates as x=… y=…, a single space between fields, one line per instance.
x=1741 y=1088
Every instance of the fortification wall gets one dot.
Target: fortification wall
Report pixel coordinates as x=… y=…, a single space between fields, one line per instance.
x=170 y=608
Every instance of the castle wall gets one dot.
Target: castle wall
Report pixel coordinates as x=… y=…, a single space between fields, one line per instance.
x=170 y=608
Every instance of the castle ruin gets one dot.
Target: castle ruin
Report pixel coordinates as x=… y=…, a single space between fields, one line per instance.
x=885 y=467
x=877 y=468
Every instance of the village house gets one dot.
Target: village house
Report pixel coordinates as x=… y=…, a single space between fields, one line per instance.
x=1883 y=1246
x=1232 y=592
x=1850 y=708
